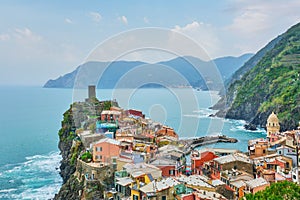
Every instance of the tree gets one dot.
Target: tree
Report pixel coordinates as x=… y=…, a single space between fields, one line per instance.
x=282 y=190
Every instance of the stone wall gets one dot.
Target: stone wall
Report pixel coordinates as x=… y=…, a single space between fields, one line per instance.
x=90 y=172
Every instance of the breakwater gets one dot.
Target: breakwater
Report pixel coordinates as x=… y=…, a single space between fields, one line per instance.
x=191 y=143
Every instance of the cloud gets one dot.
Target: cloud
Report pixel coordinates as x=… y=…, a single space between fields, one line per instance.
x=256 y=22
x=68 y=21
x=25 y=47
x=96 y=17
x=257 y=17
x=4 y=37
x=204 y=34
x=26 y=34
x=123 y=19
x=146 y=20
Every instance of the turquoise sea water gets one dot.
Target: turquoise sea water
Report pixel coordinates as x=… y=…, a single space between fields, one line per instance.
x=30 y=119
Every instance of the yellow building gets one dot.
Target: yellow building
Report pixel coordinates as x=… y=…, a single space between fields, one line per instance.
x=272 y=124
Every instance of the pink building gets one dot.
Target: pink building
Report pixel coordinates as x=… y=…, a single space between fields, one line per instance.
x=105 y=150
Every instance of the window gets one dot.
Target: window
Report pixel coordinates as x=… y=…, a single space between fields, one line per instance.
x=264 y=151
x=287 y=165
x=163 y=198
x=294 y=177
x=98 y=157
x=135 y=197
x=98 y=148
x=171 y=172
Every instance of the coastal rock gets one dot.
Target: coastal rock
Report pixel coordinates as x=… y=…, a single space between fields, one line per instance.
x=251 y=127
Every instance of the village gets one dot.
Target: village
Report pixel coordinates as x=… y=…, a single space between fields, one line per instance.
x=149 y=161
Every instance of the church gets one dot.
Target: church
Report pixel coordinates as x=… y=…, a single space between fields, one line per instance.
x=272 y=125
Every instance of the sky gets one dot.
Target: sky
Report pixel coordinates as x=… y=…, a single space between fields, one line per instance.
x=42 y=40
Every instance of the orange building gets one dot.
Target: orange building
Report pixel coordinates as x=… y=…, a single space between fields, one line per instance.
x=105 y=150
x=124 y=135
x=166 y=131
x=258 y=147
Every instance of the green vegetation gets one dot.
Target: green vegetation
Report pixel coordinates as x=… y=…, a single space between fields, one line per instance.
x=67 y=126
x=92 y=127
x=86 y=157
x=272 y=85
x=107 y=105
x=75 y=151
x=282 y=190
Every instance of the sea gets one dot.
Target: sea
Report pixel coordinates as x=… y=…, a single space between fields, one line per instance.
x=30 y=118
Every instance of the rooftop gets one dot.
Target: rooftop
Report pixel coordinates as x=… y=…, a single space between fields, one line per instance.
x=217 y=182
x=160 y=185
x=203 y=194
x=256 y=182
x=108 y=140
x=163 y=162
x=124 y=181
x=139 y=168
x=233 y=157
x=195 y=180
x=238 y=183
x=110 y=112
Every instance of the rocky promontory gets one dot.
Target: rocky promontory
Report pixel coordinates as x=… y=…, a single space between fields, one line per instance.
x=268 y=82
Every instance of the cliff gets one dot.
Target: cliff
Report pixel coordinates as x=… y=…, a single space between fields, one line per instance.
x=70 y=147
x=268 y=82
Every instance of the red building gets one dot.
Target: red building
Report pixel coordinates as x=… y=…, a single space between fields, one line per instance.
x=199 y=158
x=136 y=113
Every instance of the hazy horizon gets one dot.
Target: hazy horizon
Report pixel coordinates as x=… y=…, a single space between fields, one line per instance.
x=43 y=40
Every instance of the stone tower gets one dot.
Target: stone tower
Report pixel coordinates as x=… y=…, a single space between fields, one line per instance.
x=272 y=124
x=92 y=91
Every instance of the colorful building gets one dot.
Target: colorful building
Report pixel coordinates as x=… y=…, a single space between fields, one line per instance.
x=166 y=131
x=106 y=150
x=199 y=158
x=135 y=113
x=258 y=147
x=256 y=185
x=162 y=190
x=234 y=161
x=110 y=116
x=171 y=163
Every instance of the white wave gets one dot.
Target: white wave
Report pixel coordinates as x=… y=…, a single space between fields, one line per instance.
x=202 y=113
x=195 y=116
x=8 y=190
x=46 y=192
x=205 y=111
x=242 y=128
x=36 y=178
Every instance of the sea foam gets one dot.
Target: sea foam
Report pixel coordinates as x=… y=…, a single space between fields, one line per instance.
x=36 y=178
